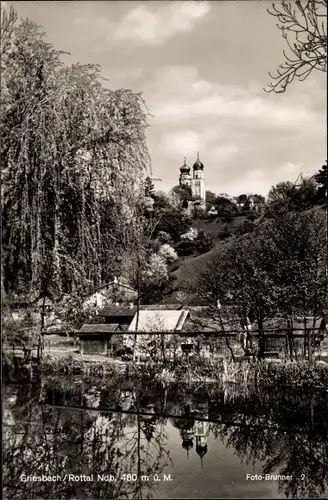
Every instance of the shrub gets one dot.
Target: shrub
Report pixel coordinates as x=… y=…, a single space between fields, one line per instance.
x=164 y=237
x=167 y=253
x=190 y=235
x=201 y=244
x=157 y=269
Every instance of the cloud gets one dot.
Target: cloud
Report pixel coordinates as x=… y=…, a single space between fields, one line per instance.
x=149 y=25
x=178 y=94
x=248 y=140
x=181 y=143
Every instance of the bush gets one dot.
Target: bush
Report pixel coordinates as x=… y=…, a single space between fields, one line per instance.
x=204 y=242
x=246 y=227
x=164 y=237
x=173 y=222
x=201 y=244
x=185 y=247
x=167 y=253
x=252 y=216
x=190 y=235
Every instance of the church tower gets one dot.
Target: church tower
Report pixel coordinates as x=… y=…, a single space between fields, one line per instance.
x=198 y=182
x=185 y=177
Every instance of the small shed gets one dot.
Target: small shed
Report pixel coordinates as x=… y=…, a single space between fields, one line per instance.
x=98 y=338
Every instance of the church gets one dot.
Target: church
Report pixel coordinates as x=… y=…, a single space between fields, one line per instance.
x=196 y=182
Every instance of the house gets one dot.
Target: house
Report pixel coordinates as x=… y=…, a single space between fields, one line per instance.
x=151 y=321
x=121 y=315
x=212 y=211
x=185 y=330
x=99 y=339
x=118 y=292
x=46 y=303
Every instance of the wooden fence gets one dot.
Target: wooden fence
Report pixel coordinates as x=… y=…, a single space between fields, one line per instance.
x=282 y=343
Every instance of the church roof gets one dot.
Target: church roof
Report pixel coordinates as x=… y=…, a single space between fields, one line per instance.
x=185 y=169
x=201 y=450
x=198 y=165
x=187 y=444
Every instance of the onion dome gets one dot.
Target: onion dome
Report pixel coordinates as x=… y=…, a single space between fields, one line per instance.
x=201 y=451
x=185 y=169
x=198 y=165
x=187 y=444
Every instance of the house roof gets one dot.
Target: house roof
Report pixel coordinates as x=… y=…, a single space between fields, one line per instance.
x=118 y=285
x=115 y=311
x=159 y=320
x=166 y=307
x=47 y=302
x=98 y=328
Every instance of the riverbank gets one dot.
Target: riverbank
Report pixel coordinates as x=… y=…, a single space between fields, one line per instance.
x=272 y=373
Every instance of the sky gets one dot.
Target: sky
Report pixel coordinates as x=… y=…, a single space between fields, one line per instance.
x=201 y=67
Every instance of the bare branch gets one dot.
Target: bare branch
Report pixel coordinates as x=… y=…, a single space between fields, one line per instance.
x=309 y=45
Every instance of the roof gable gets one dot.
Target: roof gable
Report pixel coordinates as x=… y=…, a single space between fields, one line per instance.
x=159 y=320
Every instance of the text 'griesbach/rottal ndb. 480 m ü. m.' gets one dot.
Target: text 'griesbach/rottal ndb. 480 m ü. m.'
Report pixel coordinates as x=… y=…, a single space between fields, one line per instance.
x=94 y=477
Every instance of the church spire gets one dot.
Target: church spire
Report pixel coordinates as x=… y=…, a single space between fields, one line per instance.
x=198 y=165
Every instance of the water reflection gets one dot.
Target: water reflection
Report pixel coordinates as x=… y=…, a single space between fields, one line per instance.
x=133 y=432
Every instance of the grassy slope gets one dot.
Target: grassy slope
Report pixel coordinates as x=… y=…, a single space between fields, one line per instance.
x=190 y=265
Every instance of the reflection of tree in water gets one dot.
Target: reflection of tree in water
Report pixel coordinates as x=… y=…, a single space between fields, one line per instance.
x=145 y=452
x=286 y=431
x=301 y=450
x=42 y=440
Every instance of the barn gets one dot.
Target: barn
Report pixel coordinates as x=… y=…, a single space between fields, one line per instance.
x=99 y=339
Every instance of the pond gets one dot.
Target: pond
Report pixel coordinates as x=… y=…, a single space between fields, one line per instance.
x=118 y=438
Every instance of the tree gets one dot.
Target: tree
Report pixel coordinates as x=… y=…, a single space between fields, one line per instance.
x=306 y=22
x=241 y=199
x=180 y=195
x=258 y=199
x=225 y=208
x=73 y=158
x=287 y=197
x=239 y=277
x=281 y=191
x=279 y=268
x=167 y=253
x=149 y=188
x=172 y=221
x=322 y=179
x=305 y=196
x=299 y=255
x=210 y=199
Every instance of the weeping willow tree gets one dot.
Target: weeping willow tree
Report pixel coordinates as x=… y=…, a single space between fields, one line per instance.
x=73 y=157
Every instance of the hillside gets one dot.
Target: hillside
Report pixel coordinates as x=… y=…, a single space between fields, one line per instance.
x=191 y=265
